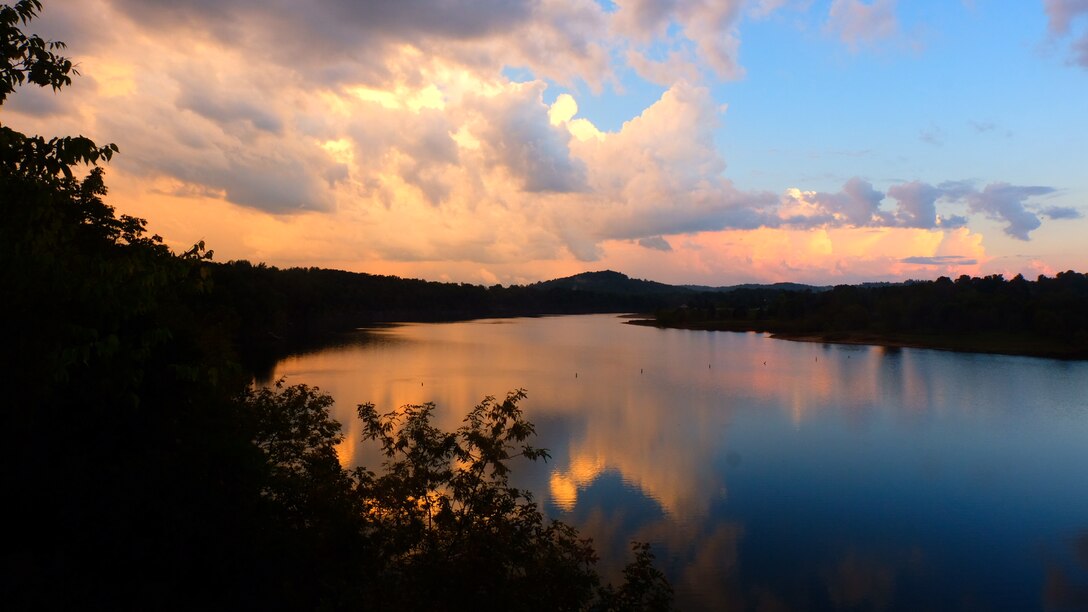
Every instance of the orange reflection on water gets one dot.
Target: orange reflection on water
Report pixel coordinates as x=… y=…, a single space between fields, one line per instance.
x=654 y=405
x=675 y=414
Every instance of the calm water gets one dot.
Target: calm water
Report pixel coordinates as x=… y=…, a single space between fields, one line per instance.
x=769 y=475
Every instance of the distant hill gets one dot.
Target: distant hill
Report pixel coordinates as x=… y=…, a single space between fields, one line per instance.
x=617 y=283
x=774 y=286
x=608 y=282
x=295 y=306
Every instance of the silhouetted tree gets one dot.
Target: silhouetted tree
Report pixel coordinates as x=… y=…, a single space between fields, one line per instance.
x=140 y=470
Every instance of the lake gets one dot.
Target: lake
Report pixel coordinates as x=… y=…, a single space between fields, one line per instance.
x=767 y=474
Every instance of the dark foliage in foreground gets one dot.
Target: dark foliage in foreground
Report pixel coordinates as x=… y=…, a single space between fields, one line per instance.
x=141 y=472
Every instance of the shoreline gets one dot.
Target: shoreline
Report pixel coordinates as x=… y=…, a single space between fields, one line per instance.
x=991 y=344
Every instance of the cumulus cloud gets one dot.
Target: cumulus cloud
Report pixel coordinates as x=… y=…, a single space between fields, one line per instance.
x=857 y=204
x=517 y=130
x=661 y=174
x=1004 y=202
x=917 y=203
x=710 y=25
x=400 y=139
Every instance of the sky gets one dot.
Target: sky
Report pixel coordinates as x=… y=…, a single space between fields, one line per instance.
x=709 y=142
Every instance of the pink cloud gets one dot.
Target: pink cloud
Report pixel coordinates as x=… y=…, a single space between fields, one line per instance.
x=856 y=22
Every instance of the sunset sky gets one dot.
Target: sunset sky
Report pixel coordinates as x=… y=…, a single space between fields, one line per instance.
x=710 y=142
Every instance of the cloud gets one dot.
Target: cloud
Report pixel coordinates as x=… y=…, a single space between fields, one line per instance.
x=678 y=66
x=42 y=101
x=406 y=19
x=351 y=41
x=953 y=221
x=932 y=135
x=656 y=243
x=517 y=130
x=917 y=203
x=1061 y=16
x=389 y=132
x=661 y=174
x=1004 y=202
x=1060 y=212
x=1062 y=13
x=982 y=126
x=857 y=23
x=710 y=26
x=215 y=106
x=820 y=256
x=940 y=260
x=762 y=9
x=857 y=204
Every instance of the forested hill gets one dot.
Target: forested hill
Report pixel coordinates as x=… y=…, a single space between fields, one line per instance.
x=615 y=283
x=757 y=286
x=268 y=306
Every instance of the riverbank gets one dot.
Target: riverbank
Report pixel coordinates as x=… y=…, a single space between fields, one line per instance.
x=1026 y=345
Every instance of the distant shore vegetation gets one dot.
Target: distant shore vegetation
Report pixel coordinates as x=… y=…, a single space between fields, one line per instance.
x=1047 y=317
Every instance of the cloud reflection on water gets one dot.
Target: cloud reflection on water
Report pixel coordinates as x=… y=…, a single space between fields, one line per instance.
x=740 y=456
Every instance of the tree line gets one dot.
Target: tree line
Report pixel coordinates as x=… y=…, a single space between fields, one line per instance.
x=1047 y=316
x=269 y=306
x=140 y=469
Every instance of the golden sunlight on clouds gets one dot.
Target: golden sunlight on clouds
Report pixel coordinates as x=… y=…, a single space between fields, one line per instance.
x=113 y=78
x=563 y=109
x=340 y=150
x=461 y=175
x=583 y=130
x=464 y=138
x=562 y=112
x=398 y=151
x=402 y=97
x=816 y=256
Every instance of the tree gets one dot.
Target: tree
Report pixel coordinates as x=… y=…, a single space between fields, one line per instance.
x=454 y=533
x=30 y=59
x=138 y=466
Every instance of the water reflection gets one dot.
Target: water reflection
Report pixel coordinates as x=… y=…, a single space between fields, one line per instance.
x=1067 y=579
x=766 y=473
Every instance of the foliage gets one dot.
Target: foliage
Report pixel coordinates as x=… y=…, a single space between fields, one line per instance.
x=439 y=527
x=141 y=471
x=1048 y=315
x=272 y=306
x=456 y=531
x=29 y=59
